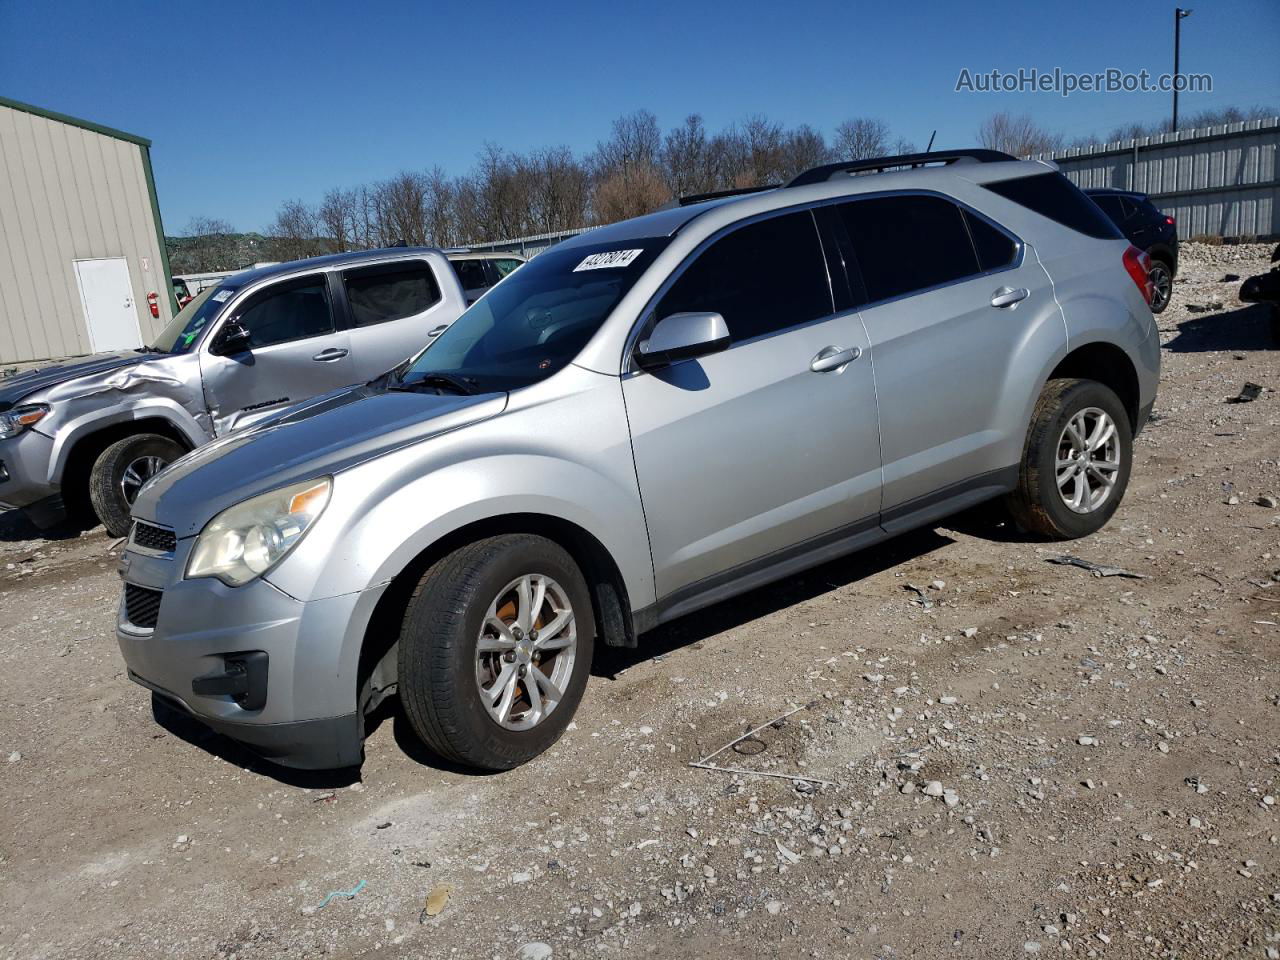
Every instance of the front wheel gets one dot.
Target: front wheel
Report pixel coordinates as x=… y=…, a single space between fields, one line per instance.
x=121 y=471
x=1076 y=463
x=495 y=651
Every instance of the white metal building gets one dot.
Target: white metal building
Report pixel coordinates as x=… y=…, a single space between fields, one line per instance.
x=81 y=243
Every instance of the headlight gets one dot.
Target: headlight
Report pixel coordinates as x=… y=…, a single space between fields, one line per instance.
x=244 y=541
x=13 y=422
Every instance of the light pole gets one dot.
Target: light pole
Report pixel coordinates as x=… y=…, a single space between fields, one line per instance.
x=1178 y=14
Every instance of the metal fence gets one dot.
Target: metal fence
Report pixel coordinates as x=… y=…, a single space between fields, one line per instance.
x=1218 y=181
x=527 y=246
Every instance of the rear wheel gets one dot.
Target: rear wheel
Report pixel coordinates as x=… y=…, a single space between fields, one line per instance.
x=495 y=651
x=120 y=472
x=1076 y=464
x=1161 y=278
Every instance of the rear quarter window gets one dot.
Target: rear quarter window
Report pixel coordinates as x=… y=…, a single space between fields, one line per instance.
x=1054 y=196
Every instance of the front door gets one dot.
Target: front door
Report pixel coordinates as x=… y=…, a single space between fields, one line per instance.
x=294 y=352
x=757 y=449
x=106 y=294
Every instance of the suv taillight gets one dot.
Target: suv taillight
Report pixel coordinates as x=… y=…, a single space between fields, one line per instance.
x=1170 y=221
x=1138 y=264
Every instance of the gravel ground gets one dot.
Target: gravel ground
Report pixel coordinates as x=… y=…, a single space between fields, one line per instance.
x=1020 y=758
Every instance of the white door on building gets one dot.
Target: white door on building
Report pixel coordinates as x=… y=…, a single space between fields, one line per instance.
x=107 y=296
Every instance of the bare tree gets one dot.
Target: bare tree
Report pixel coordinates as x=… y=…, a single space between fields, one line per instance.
x=802 y=149
x=861 y=138
x=211 y=245
x=687 y=161
x=560 y=190
x=337 y=218
x=1017 y=135
x=619 y=196
x=293 y=232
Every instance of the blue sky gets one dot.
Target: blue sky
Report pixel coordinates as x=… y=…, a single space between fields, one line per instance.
x=251 y=104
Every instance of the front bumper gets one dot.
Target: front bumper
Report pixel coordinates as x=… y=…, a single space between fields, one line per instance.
x=24 y=475
x=307 y=716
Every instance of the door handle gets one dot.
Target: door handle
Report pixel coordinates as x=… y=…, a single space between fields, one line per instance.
x=1008 y=296
x=833 y=358
x=438 y=330
x=328 y=356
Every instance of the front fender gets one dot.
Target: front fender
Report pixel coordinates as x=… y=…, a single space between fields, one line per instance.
x=76 y=424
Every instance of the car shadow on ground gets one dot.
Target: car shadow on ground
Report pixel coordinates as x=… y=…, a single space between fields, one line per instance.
x=986 y=521
x=16 y=528
x=1245 y=328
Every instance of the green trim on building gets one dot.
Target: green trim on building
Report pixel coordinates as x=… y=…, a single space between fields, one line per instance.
x=74 y=121
x=155 y=213
x=142 y=142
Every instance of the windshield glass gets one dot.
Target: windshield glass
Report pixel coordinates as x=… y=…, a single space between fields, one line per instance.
x=183 y=330
x=538 y=319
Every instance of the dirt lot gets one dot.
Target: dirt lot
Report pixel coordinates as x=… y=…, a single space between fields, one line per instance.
x=1107 y=751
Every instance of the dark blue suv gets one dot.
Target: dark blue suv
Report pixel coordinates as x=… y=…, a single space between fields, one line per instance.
x=1147 y=229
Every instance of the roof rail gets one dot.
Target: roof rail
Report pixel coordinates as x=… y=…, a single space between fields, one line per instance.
x=829 y=171
x=716 y=195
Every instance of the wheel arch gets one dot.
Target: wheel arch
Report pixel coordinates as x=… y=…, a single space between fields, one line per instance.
x=72 y=463
x=1111 y=366
x=609 y=597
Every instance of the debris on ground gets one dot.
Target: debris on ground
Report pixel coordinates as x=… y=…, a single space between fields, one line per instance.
x=338 y=895
x=1248 y=393
x=436 y=901
x=1097 y=569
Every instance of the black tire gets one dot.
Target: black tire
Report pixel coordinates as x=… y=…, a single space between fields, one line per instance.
x=1161 y=278
x=106 y=478
x=1036 y=503
x=437 y=652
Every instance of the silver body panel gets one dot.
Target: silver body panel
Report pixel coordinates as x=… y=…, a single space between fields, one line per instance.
x=699 y=479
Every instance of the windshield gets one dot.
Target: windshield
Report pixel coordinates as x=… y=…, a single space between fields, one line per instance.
x=183 y=330
x=537 y=320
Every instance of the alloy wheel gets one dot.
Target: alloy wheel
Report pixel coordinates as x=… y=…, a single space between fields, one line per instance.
x=1161 y=286
x=137 y=473
x=525 y=652
x=1088 y=462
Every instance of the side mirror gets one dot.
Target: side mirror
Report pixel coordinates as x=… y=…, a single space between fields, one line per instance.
x=682 y=336
x=232 y=338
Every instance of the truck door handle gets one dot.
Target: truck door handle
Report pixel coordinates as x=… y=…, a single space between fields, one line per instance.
x=833 y=358
x=328 y=356
x=438 y=330
x=1008 y=296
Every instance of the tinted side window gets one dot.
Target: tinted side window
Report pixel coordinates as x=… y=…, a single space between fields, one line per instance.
x=995 y=249
x=389 y=292
x=289 y=311
x=763 y=277
x=1110 y=206
x=1054 y=196
x=908 y=243
x=471 y=274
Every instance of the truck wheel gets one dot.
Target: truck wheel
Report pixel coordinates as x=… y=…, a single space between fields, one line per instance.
x=121 y=470
x=495 y=650
x=1161 y=278
x=1076 y=463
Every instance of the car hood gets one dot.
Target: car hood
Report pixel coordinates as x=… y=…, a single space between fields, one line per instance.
x=19 y=386
x=322 y=436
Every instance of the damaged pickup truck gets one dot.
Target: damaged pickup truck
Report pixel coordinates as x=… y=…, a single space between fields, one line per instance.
x=87 y=434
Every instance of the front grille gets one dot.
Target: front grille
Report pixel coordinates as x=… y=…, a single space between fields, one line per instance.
x=151 y=537
x=141 y=605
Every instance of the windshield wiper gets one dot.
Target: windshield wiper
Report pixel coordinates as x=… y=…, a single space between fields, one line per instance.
x=149 y=349
x=462 y=385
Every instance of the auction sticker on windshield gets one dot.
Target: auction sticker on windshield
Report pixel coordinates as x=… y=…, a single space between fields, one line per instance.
x=614 y=258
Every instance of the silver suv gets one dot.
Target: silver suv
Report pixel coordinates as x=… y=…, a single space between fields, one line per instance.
x=642 y=421
x=91 y=431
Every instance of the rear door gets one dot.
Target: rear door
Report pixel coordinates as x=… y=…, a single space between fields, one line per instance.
x=295 y=351
x=745 y=454
x=951 y=299
x=394 y=310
